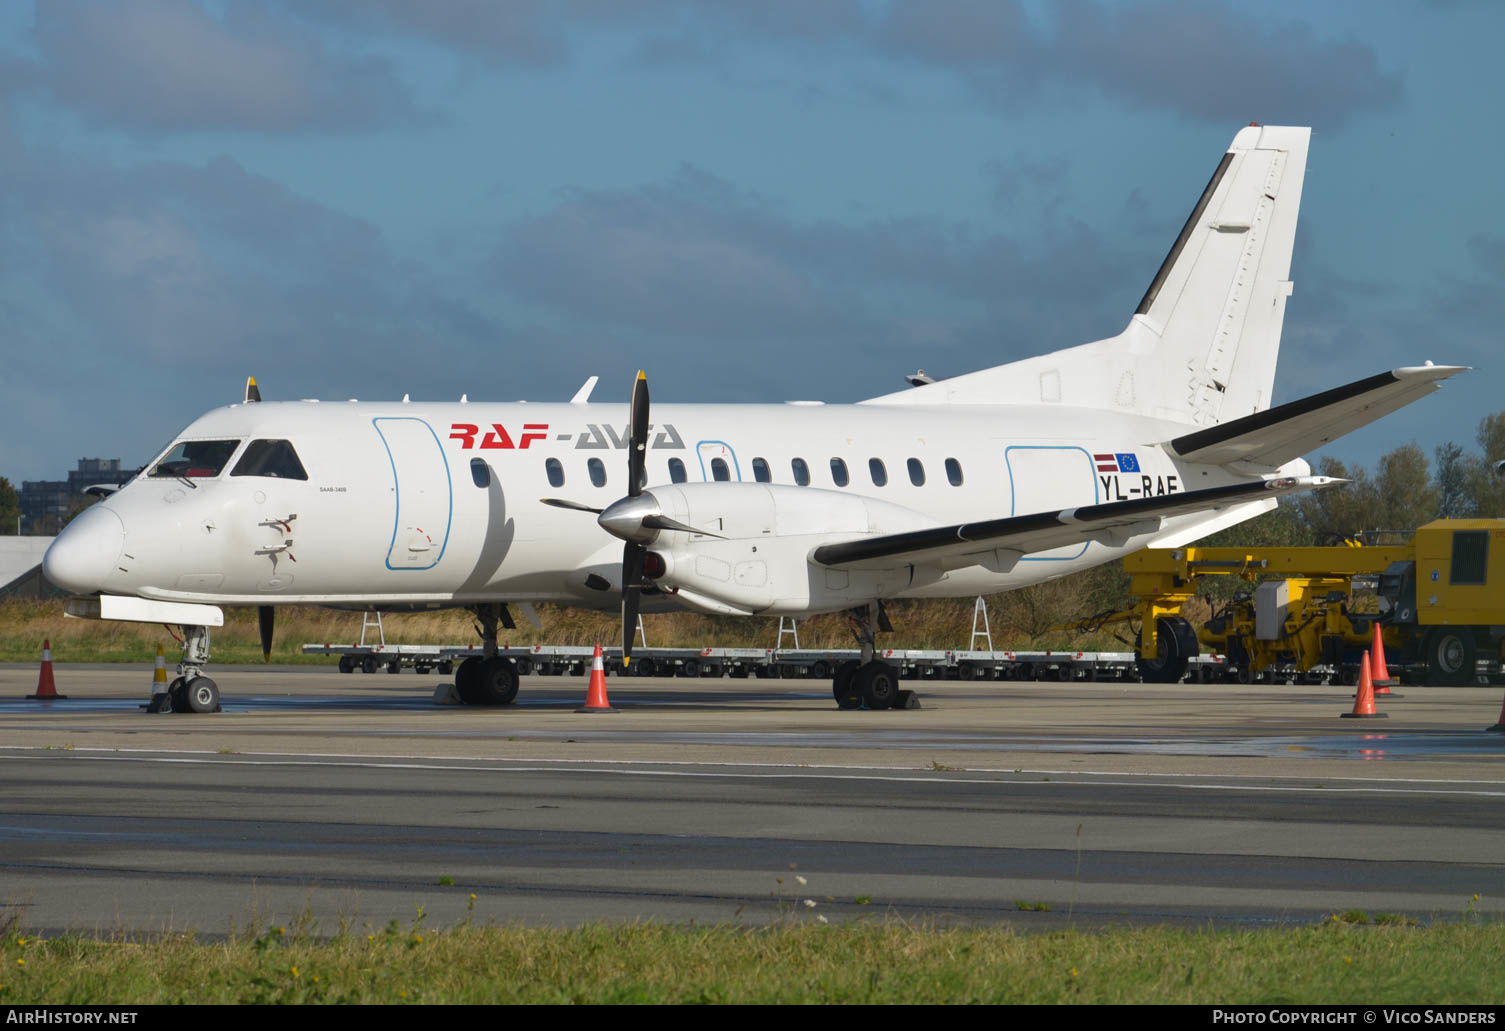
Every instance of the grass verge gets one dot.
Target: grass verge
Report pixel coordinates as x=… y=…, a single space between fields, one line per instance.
x=942 y=623
x=879 y=962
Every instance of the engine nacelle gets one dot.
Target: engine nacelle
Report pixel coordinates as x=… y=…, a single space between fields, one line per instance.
x=763 y=563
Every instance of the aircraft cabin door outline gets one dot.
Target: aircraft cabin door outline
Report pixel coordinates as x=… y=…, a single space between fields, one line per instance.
x=711 y=453
x=1049 y=478
x=423 y=499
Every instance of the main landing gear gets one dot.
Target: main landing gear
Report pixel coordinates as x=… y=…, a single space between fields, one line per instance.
x=488 y=678
x=191 y=691
x=869 y=681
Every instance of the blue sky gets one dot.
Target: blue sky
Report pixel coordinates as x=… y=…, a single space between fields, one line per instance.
x=753 y=201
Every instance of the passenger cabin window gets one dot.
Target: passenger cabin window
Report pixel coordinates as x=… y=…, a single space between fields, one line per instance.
x=916 y=472
x=719 y=472
x=761 y=472
x=1470 y=556
x=839 y=472
x=876 y=470
x=597 y=471
x=480 y=473
x=197 y=459
x=676 y=471
x=555 y=470
x=801 y=472
x=954 y=472
x=275 y=458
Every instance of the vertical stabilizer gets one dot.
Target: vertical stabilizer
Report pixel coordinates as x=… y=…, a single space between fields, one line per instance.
x=1218 y=302
x=1202 y=345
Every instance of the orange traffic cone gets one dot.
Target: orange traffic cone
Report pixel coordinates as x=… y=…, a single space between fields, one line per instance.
x=595 y=694
x=1378 y=671
x=1363 y=706
x=46 y=688
x=1499 y=728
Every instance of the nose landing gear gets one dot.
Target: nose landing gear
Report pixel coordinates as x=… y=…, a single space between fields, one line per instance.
x=191 y=691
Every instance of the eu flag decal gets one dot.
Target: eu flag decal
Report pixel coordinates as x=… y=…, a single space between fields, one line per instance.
x=1127 y=463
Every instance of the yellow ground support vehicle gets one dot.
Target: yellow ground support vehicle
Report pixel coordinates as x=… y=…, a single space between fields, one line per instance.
x=1439 y=600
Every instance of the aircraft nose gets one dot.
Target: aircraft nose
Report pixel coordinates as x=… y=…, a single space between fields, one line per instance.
x=86 y=551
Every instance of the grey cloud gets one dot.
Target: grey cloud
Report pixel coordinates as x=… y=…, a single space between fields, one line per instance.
x=1218 y=63
x=156 y=65
x=695 y=262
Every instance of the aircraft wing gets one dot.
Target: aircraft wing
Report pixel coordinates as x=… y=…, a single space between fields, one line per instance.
x=1112 y=524
x=1277 y=435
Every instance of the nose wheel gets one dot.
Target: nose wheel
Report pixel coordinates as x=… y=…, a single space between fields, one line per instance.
x=191 y=691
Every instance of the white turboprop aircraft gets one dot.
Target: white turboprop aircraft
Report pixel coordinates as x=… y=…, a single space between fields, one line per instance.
x=983 y=482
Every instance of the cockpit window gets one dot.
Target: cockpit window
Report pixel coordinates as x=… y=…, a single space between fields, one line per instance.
x=196 y=459
x=275 y=458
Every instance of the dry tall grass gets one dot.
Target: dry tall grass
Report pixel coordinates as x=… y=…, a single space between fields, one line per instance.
x=1020 y=620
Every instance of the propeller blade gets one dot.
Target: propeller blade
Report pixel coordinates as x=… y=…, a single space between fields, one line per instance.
x=663 y=522
x=637 y=438
x=573 y=506
x=265 y=615
x=632 y=579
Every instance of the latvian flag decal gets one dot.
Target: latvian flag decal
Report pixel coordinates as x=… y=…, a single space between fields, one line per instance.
x=1117 y=463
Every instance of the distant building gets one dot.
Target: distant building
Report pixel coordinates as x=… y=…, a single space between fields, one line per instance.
x=47 y=504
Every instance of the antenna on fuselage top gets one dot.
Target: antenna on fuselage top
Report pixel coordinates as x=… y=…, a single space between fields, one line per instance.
x=253 y=392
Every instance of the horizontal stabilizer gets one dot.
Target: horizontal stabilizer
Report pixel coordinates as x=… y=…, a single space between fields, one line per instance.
x=1112 y=524
x=1277 y=435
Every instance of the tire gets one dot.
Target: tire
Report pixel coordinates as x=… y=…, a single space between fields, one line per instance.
x=820 y=669
x=395 y=666
x=201 y=695
x=347 y=664
x=421 y=669
x=1176 y=645
x=368 y=664
x=466 y=678
x=524 y=667
x=847 y=697
x=446 y=668
x=690 y=668
x=1452 y=659
x=177 y=699
x=878 y=683
x=496 y=682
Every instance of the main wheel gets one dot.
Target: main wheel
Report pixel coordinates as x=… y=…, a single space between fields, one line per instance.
x=1176 y=644
x=1451 y=658
x=878 y=683
x=467 y=676
x=201 y=695
x=496 y=681
x=847 y=697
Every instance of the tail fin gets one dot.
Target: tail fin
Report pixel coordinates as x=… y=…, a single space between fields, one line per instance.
x=1202 y=345
x=1218 y=302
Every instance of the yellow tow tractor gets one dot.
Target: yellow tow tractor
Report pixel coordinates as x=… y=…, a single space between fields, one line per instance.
x=1310 y=612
